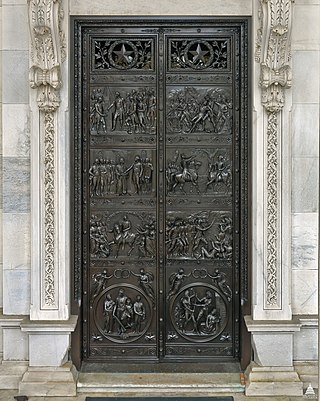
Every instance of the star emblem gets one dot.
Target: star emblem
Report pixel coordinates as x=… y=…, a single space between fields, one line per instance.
x=124 y=56
x=198 y=54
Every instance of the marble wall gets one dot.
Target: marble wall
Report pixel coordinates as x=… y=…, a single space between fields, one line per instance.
x=305 y=155
x=15 y=202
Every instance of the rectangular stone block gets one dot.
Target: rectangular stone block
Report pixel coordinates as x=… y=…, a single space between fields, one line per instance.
x=165 y=7
x=306 y=76
x=305 y=241
x=306 y=344
x=16 y=292
x=16 y=130
x=48 y=349
x=306 y=27
x=16 y=241
x=305 y=130
x=15 y=344
x=305 y=184
x=16 y=185
x=15 y=28
x=272 y=349
x=15 y=88
x=304 y=292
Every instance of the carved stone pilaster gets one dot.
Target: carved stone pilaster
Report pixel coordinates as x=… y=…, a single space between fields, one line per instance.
x=47 y=53
x=273 y=53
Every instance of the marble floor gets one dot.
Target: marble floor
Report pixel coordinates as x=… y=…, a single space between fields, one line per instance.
x=8 y=395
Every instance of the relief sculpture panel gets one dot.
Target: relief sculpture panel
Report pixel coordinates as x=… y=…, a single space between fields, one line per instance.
x=200 y=171
x=119 y=235
x=130 y=110
x=193 y=110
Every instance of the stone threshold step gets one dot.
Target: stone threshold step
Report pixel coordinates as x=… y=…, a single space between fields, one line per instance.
x=160 y=382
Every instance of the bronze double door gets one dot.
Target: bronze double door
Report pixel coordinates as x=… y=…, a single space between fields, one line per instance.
x=161 y=118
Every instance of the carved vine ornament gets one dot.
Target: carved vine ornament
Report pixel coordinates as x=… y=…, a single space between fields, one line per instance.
x=274 y=54
x=47 y=54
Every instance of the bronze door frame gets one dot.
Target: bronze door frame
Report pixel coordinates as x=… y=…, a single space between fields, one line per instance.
x=168 y=81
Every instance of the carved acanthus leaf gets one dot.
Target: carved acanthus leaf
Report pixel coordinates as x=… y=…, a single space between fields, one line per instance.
x=273 y=51
x=47 y=51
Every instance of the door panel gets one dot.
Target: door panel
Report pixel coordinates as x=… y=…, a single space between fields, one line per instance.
x=162 y=125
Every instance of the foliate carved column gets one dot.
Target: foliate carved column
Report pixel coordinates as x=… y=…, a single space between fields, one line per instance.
x=273 y=54
x=47 y=54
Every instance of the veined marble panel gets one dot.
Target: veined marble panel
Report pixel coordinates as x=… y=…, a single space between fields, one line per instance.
x=15 y=344
x=306 y=27
x=306 y=344
x=13 y=2
x=15 y=29
x=163 y=7
x=1 y=235
x=16 y=292
x=304 y=292
x=16 y=241
x=1 y=181
x=305 y=184
x=305 y=241
x=307 y=2
x=305 y=130
x=15 y=85
x=1 y=299
x=16 y=185
x=16 y=130
x=306 y=65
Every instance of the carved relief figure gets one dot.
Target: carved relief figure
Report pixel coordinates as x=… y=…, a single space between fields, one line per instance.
x=139 y=314
x=122 y=236
x=176 y=280
x=99 y=244
x=145 y=282
x=147 y=238
x=123 y=317
x=108 y=308
x=118 y=113
x=179 y=173
x=136 y=174
x=219 y=171
x=97 y=113
x=219 y=278
x=100 y=281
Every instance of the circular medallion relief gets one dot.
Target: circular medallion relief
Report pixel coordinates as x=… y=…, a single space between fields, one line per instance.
x=123 y=54
x=199 y=312
x=198 y=54
x=122 y=313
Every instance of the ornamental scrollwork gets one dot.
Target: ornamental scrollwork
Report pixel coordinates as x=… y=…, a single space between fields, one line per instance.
x=123 y=54
x=199 y=54
x=274 y=54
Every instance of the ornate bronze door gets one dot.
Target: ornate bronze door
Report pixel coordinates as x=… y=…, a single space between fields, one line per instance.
x=161 y=187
